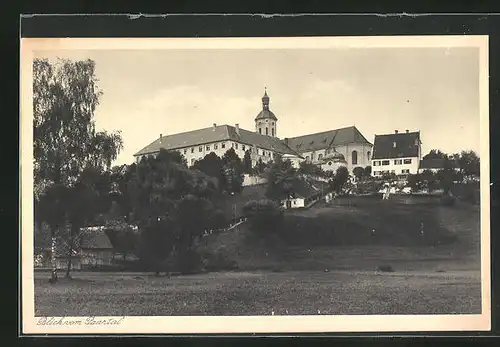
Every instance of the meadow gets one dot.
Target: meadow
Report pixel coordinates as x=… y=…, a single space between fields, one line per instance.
x=290 y=277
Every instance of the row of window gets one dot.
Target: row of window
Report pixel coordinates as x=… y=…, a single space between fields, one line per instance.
x=377 y=173
x=387 y=162
x=233 y=145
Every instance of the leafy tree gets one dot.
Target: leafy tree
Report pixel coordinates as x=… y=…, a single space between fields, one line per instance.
x=213 y=166
x=65 y=96
x=280 y=178
x=429 y=180
x=414 y=181
x=340 y=179
x=194 y=215
x=171 y=206
x=86 y=199
x=307 y=168
x=368 y=171
x=445 y=177
x=435 y=154
x=247 y=162
x=469 y=163
x=358 y=172
x=260 y=167
x=233 y=168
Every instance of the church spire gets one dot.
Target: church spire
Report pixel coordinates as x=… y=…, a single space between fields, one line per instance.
x=265 y=100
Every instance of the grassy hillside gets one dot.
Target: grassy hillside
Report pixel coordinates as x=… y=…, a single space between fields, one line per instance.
x=234 y=203
x=397 y=240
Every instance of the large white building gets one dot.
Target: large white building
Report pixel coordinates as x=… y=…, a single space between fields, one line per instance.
x=397 y=153
x=329 y=149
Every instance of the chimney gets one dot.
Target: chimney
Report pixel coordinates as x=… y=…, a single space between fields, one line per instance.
x=161 y=136
x=214 y=126
x=237 y=126
x=395 y=131
x=407 y=131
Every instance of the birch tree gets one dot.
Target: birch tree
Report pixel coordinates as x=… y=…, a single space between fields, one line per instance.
x=65 y=97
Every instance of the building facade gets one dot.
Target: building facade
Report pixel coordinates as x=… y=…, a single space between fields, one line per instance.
x=264 y=144
x=397 y=153
x=354 y=149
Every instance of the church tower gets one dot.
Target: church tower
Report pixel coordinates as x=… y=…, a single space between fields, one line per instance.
x=266 y=121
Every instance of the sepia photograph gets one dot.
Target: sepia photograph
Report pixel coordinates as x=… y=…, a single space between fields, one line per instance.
x=255 y=184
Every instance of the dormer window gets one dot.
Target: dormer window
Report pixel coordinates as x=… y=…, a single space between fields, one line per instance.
x=394 y=144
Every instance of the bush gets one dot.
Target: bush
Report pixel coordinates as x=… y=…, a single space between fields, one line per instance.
x=448 y=200
x=188 y=262
x=219 y=260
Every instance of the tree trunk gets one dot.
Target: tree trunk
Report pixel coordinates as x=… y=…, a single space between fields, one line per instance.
x=73 y=233
x=53 y=259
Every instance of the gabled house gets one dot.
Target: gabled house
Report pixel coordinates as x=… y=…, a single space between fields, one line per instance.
x=397 y=153
x=96 y=249
x=91 y=248
x=302 y=193
x=435 y=165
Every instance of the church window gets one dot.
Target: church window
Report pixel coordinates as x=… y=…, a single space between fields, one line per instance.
x=215 y=146
x=267 y=131
x=260 y=130
x=368 y=155
x=272 y=131
x=192 y=149
x=273 y=123
x=223 y=145
x=354 y=157
x=201 y=149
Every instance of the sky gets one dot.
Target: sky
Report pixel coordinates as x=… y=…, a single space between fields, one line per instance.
x=151 y=92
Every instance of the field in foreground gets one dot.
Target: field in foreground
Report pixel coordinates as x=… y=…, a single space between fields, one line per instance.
x=288 y=279
x=246 y=293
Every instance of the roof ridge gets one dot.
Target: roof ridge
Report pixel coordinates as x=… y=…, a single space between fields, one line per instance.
x=321 y=132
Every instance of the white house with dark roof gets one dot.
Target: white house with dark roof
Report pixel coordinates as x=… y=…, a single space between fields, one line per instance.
x=264 y=144
x=397 y=153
